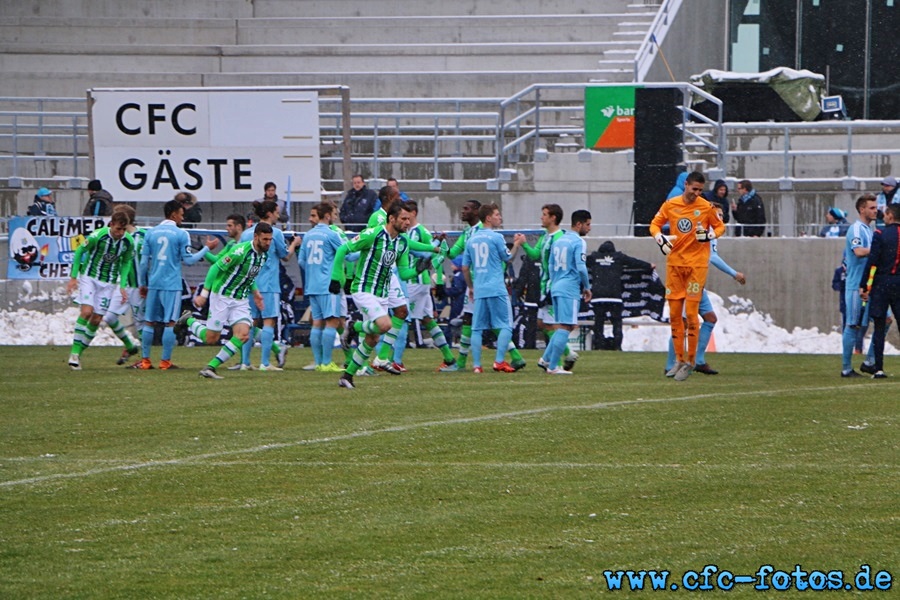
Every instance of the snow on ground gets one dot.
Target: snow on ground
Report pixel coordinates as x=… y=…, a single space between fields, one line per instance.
x=741 y=328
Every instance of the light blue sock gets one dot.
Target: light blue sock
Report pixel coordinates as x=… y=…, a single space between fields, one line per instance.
x=849 y=339
x=329 y=335
x=265 y=339
x=400 y=344
x=475 y=348
x=706 y=330
x=670 y=359
x=315 y=340
x=168 y=340
x=556 y=347
x=248 y=346
x=504 y=337
x=146 y=341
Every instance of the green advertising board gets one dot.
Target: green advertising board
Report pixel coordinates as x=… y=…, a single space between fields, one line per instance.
x=609 y=117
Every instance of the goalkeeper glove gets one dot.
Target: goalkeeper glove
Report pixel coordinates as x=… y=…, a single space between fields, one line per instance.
x=665 y=245
x=704 y=235
x=334 y=287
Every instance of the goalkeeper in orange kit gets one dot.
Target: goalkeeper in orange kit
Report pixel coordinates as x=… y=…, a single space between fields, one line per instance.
x=693 y=222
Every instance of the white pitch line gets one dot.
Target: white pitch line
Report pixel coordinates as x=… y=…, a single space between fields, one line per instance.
x=395 y=429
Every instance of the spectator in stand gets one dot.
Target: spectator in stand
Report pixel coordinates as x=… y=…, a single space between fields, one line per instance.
x=678 y=188
x=192 y=212
x=606 y=267
x=836 y=224
x=748 y=211
x=270 y=192
x=100 y=202
x=358 y=205
x=393 y=183
x=44 y=204
x=887 y=196
x=719 y=194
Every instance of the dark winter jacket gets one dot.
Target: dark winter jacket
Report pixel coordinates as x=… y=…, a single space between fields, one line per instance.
x=606 y=266
x=99 y=205
x=711 y=196
x=42 y=208
x=751 y=214
x=357 y=207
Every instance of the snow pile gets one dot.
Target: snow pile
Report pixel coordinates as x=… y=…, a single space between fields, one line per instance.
x=741 y=328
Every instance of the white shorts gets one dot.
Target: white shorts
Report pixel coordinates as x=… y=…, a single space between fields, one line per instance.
x=345 y=312
x=545 y=314
x=421 y=304
x=370 y=306
x=96 y=293
x=468 y=305
x=396 y=293
x=225 y=311
x=134 y=302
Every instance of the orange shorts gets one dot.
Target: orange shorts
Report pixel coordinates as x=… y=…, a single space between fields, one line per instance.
x=685 y=282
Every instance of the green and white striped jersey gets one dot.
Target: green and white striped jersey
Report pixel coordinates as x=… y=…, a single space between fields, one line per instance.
x=460 y=245
x=379 y=252
x=132 y=279
x=420 y=234
x=542 y=250
x=103 y=258
x=234 y=274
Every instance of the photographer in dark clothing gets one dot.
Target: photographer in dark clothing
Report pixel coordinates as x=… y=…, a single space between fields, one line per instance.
x=606 y=266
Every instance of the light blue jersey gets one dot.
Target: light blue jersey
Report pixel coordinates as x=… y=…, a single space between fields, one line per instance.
x=486 y=256
x=268 y=280
x=568 y=273
x=858 y=236
x=316 y=258
x=165 y=248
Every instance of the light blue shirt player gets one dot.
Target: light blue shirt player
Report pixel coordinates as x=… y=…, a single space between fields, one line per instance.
x=316 y=259
x=165 y=249
x=268 y=281
x=484 y=267
x=568 y=277
x=859 y=236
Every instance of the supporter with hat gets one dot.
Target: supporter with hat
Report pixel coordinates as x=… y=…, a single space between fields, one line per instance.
x=44 y=204
x=887 y=196
x=836 y=224
x=100 y=202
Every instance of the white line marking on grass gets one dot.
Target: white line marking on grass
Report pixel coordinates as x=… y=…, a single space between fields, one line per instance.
x=396 y=429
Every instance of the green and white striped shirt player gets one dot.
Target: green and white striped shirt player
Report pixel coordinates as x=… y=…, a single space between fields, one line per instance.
x=420 y=234
x=234 y=274
x=103 y=258
x=542 y=250
x=460 y=245
x=132 y=279
x=378 y=254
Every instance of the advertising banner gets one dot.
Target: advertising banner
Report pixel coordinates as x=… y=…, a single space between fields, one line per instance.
x=220 y=144
x=609 y=117
x=43 y=247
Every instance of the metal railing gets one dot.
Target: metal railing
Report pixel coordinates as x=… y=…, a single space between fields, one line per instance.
x=646 y=54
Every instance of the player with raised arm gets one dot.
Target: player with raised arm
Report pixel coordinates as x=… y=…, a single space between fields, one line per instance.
x=166 y=247
x=316 y=260
x=569 y=284
x=99 y=264
x=229 y=282
x=421 y=302
x=551 y=222
x=484 y=269
x=694 y=223
x=380 y=248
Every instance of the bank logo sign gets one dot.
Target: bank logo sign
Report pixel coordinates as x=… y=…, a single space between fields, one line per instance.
x=609 y=117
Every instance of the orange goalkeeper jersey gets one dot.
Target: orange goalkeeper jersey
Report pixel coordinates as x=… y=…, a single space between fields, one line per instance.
x=683 y=219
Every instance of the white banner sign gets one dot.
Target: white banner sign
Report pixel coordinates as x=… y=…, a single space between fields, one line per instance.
x=221 y=145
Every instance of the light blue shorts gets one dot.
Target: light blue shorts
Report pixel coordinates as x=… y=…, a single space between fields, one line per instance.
x=271 y=306
x=163 y=306
x=492 y=313
x=325 y=306
x=565 y=310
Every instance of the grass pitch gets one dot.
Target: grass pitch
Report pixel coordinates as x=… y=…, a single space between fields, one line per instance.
x=126 y=484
